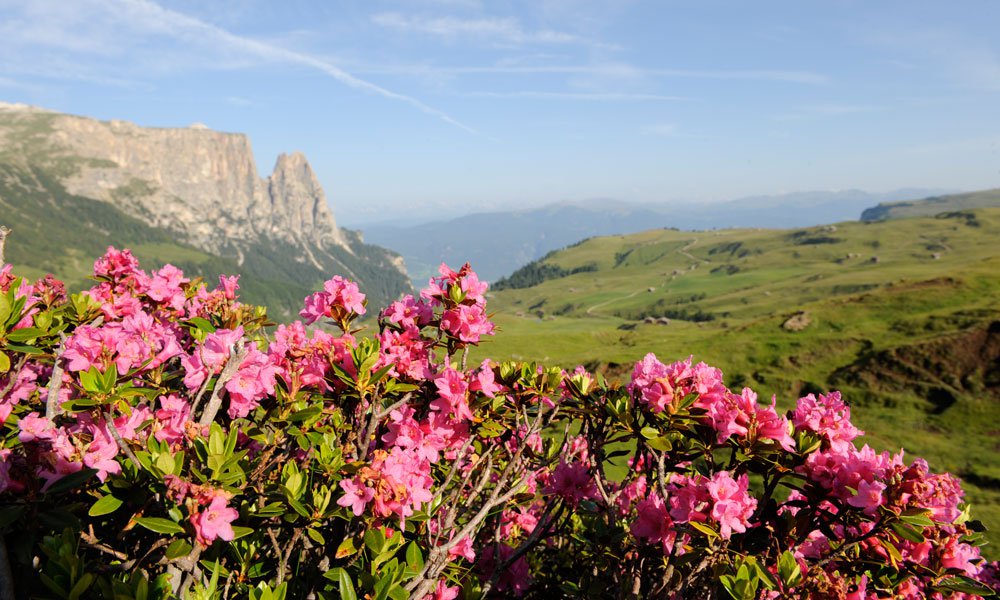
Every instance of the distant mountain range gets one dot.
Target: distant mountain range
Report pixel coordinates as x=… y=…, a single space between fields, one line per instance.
x=70 y=186
x=497 y=243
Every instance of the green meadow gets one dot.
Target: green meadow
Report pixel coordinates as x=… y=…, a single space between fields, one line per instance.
x=902 y=316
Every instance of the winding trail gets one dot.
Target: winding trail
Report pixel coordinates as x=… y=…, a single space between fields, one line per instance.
x=682 y=251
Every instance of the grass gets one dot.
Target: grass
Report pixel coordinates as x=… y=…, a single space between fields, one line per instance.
x=886 y=333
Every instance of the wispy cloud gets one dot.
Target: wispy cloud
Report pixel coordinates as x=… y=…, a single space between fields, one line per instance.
x=606 y=69
x=959 y=56
x=818 y=111
x=105 y=28
x=661 y=129
x=494 y=29
x=589 y=96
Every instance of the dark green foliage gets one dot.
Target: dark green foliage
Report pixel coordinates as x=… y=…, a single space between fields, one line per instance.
x=536 y=272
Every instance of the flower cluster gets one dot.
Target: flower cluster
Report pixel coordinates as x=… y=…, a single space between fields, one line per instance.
x=153 y=422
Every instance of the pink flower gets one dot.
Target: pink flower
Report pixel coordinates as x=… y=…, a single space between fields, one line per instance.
x=463 y=549
x=355 y=496
x=339 y=300
x=572 y=482
x=215 y=522
x=443 y=592
x=452 y=394
x=467 y=323
x=732 y=506
x=654 y=524
x=869 y=497
x=827 y=416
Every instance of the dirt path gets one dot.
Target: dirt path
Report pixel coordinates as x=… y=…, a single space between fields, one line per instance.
x=683 y=251
x=590 y=311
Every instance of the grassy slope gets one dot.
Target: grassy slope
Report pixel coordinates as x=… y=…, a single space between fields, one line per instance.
x=929 y=207
x=752 y=281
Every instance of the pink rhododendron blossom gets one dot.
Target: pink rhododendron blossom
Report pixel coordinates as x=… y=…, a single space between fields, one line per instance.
x=452 y=394
x=443 y=592
x=732 y=506
x=654 y=524
x=827 y=416
x=339 y=299
x=463 y=549
x=572 y=482
x=869 y=497
x=467 y=323
x=215 y=522
x=355 y=496
x=409 y=313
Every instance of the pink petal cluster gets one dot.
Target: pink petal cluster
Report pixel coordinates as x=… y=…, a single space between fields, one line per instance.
x=339 y=300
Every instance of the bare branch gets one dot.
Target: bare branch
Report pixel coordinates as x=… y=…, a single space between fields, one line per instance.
x=55 y=381
x=121 y=443
x=4 y=232
x=232 y=365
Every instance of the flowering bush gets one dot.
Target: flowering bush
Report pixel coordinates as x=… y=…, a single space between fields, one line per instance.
x=161 y=440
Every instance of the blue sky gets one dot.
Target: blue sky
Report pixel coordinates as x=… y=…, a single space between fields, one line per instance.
x=460 y=105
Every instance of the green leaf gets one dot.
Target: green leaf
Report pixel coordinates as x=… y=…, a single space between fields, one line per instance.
x=104 y=506
x=24 y=335
x=414 y=558
x=305 y=414
x=789 y=570
x=159 y=525
x=71 y=481
x=315 y=536
x=965 y=585
x=178 y=548
x=345 y=584
x=347 y=548
x=85 y=581
x=4 y=363
x=202 y=324
x=660 y=443
x=704 y=529
x=649 y=432
x=907 y=532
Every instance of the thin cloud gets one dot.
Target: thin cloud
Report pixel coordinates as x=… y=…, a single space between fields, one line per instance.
x=615 y=69
x=138 y=20
x=502 y=29
x=590 y=96
x=661 y=129
x=817 y=111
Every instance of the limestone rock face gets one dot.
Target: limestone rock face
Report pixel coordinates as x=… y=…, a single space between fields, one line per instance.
x=202 y=188
x=200 y=183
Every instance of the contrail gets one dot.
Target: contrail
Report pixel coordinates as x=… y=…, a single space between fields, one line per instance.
x=176 y=23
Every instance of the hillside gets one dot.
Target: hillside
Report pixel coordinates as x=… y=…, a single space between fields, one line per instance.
x=71 y=186
x=929 y=207
x=902 y=315
x=501 y=241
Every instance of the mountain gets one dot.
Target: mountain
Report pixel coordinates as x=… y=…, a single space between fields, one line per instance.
x=192 y=193
x=498 y=242
x=928 y=207
x=901 y=315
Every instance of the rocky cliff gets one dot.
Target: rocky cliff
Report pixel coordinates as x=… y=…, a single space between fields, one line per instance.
x=200 y=185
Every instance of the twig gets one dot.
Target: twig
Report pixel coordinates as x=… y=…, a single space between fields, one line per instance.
x=232 y=365
x=13 y=375
x=121 y=443
x=55 y=381
x=4 y=232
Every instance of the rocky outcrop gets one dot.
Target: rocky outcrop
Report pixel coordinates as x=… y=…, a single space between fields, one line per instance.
x=200 y=183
